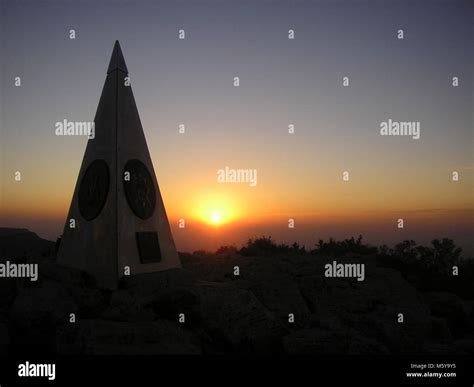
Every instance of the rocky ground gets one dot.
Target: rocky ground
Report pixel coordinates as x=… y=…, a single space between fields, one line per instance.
x=225 y=313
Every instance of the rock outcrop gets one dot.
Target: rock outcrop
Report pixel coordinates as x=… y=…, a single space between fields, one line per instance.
x=281 y=304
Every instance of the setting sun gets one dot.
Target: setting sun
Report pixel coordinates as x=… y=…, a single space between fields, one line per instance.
x=216 y=218
x=215 y=209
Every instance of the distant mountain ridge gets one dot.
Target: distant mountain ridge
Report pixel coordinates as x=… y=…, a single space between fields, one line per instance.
x=21 y=242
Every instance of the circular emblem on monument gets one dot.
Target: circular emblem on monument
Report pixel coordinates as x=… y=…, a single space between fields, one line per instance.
x=139 y=189
x=94 y=189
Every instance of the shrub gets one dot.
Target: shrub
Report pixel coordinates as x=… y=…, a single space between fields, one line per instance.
x=345 y=246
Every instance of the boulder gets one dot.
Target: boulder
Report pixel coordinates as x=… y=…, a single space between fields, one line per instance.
x=465 y=346
x=8 y=291
x=151 y=284
x=439 y=329
x=80 y=285
x=170 y=304
x=4 y=339
x=100 y=337
x=147 y=297
x=434 y=347
x=268 y=278
x=44 y=305
x=450 y=307
x=369 y=307
x=236 y=317
x=124 y=306
x=35 y=314
x=275 y=289
x=324 y=341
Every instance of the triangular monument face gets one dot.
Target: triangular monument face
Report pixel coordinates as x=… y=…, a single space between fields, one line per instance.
x=117 y=219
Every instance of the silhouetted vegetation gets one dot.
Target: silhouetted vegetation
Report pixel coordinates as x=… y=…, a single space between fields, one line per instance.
x=441 y=257
x=432 y=268
x=354 y=246
x=225 y=250
x=267 y=247
x=202 y=252
x=428 y=268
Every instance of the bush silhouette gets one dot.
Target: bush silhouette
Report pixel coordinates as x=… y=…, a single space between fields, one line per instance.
x=343 y=247
x=267 y=247
x=431 y=268
x=441 y=257
x=428 y=268
x=226 y=250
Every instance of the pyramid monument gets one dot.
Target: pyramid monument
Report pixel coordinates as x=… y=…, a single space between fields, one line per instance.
x=117 y=223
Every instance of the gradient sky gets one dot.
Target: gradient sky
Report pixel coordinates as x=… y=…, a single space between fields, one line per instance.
x=282 y=81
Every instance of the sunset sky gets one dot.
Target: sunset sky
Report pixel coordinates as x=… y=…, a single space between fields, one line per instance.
x=282 y=82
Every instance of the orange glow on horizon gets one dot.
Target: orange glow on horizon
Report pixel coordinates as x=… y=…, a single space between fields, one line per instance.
x=215 y=210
